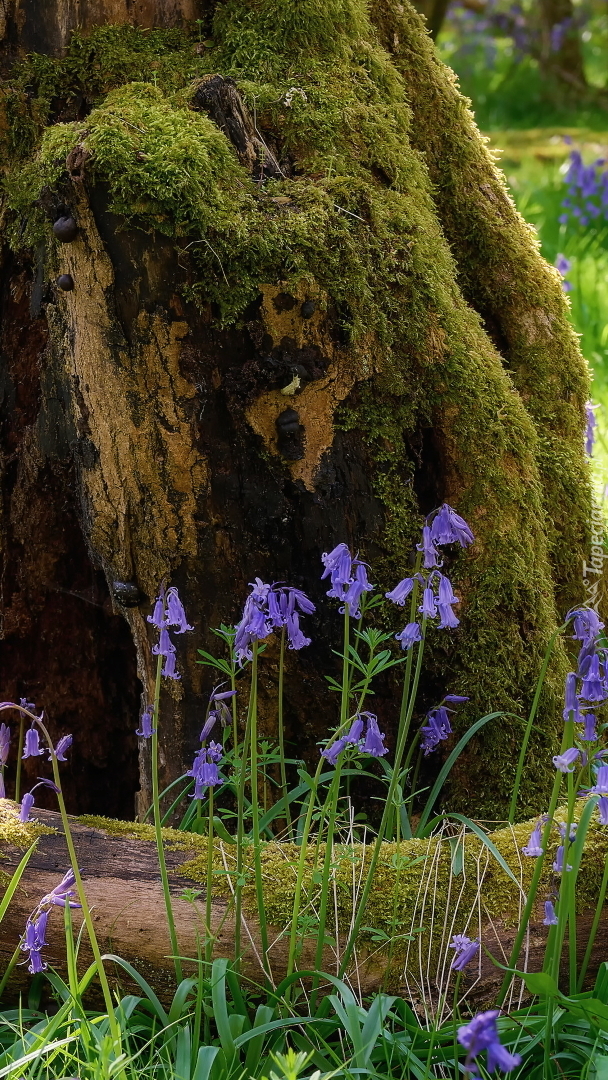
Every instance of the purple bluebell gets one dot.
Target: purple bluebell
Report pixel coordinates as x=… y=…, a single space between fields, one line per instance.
x=146 y=730
x=409 y=635
x=338 y=567
x=455 y=699
x=32 y=746
x=436 y=729
x=590 y=428
x=215 y=752
x=25 y=704
x=431 y=555
x=558 y=865
x=481 y=1034
x=356 y=730
x=169 y=669
x=176 y=616
x=358 y=585
x=205 y=770
x=571 y=702
x=401 y=591
x=295 y=597
x=562 y=264
x=62 y=892
x=586 y=624
x=447 y=618
x=5 y=743
x=254 y=626
x=565 y=762
x=550 y=918
x=593 y=687
x=601 y=782
x=332 y=753
x=449 y=528
x=373 y=738
x=218 y=703
x=428 y=608
x=603 y=810
x=534 y=846
x=466 y=950
x=590 y=732
x=445 y=593
x=562 y=826
x=208 y=726
x=296 y=638
x=32 y=943
x=157 y=618
x=164 y=646
x=27 y=803
x=62 y=747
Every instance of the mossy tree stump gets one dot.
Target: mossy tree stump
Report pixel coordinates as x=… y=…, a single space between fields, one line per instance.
x=355 y=257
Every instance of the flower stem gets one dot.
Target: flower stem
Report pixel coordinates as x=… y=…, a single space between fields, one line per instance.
x=208 y=896
x=404 y=725
x=594 y=925
x=20 y=742
x=162 y=865
x=282 y=736
x=259 y=890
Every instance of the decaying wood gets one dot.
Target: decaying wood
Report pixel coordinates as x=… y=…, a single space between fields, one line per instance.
x=122 y=884
x=220 y=99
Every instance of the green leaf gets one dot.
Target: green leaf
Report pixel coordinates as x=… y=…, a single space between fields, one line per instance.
x=539 y=982
x=491 y=846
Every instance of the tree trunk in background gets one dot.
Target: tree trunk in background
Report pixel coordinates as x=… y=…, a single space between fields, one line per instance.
x=560 y=53
x=351 y=254
x=434 y=12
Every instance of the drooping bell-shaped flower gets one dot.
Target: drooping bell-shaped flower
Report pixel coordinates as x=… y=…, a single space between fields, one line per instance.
x=400 y=593
x=534 y=846
x=550 y=918
x=146 y=730
x=409 y=635
x=466 y=950
x=565 y=762
x=449 y=528
x=32 y=746
x=62 y=747
x=373 y=738
x=176 y=616
x=431 y=555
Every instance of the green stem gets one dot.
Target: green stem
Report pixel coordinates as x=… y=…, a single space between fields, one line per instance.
x=240 y=842
x=282 y=736
x=208 y=896
x=297 y=899
x=388 y=808
x=536 y=876
x=345 y=669
x=20 y=743
x=325 y=889
x=531 y=718
x=259 y=890
x=86 y=911
x=594 y=926
x=158 y=828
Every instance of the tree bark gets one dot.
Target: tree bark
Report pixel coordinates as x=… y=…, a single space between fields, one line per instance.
x=120 y=873
x=561 y=56
x=387 y=292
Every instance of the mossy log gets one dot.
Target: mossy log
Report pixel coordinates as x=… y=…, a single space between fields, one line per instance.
x=376 y=279
x=423 y=894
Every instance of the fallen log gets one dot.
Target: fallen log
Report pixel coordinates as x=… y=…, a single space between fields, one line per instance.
x=426 y=891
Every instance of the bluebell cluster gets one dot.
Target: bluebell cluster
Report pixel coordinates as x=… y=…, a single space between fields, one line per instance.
x=587 y=197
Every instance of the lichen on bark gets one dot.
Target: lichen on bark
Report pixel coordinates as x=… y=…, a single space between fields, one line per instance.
x=437 y=329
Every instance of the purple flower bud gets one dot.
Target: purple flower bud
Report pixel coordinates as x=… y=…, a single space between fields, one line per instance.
x=401 y=591
x=603 y=810
x=550 y=918
x=146 y=730
x=176 y=616
x=62 y=747
x=357 y=587
x=466 y=950
x=558 y=865
x=32 y=746
x=590 y=732
x=356 y=730
x=5 y=742
x=294 y=634
x=300 y=598
x=411 y=634
x=26 y=805
x=563 y=761
x=157 y=618
x=571 y=702
x=456 y=699
x=25 y=704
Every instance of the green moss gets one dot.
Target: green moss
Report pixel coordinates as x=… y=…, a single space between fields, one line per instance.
x=137 y=830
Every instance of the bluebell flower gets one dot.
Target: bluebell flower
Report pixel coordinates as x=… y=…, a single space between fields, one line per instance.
x=205 y=770
x=590 y=428
x=456 y=699
x=481 y=1034
x=332 y=753
x=563 y=761
x=466 y=950
x=215 y=752
x=62 y=892
x=431 y=555
x=534 y=846
x=436 y=729
x=338 y=567
x=169 y=669
x=586 y=624
x=571 y=702
x=590 y=732
x=27 y=803
x=409 y=635
x=550 y=918
x=558 y=865
x=32 y=746
x=601 y=782
x=25 y=704
x=157 y=618
x=32 y=943
x=401 y=591
x=428 y=608
x=146 y=730
x=176 y=616
x=593 y=688
x=296 y=638
x=373 y=738
x=603 y=810
x=447 y=618
x=164 y=646
x=34 y=937
x=358 y=585
x=254 y=625
x=449 y=528
x=62 y=747
x=356 y=730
